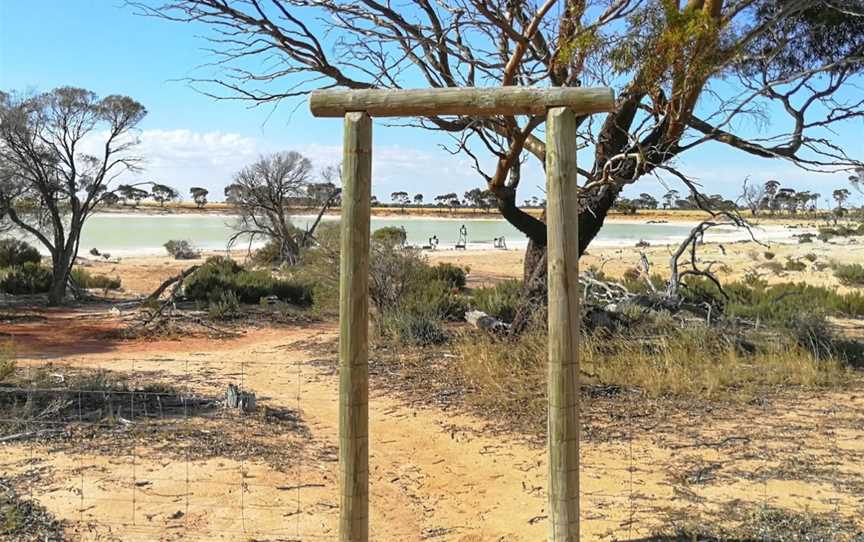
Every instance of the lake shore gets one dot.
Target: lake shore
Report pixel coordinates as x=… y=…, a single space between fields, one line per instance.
x=410 y=212
x=730 y=261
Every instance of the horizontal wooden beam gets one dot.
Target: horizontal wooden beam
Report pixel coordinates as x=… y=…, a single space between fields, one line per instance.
x=468 y=101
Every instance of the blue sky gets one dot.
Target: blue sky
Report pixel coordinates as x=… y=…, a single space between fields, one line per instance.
x=189 y=139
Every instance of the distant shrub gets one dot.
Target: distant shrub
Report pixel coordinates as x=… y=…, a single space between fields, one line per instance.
x=850 y=274
x=768 y=255
x=412 y=328
x=774 y=267
x=224 y=306
x=28 y=278
x=84 y=279
x=805 y=238
x=267 y=256
x=500 y=301
x=451 y=274
x=15 y=253
x=390 y=236
x=811 y=257
x=220 y=275
x=7 y=362
x=181 y=250
x=794 y=265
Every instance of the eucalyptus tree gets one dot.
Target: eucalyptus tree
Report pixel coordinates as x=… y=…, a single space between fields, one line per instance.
x=162 y=193
x=262 y=193
x=199 y=196
x=687 y=73
x=49 y=183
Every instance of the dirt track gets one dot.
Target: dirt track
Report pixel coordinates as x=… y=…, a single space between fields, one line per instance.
x=435 y=474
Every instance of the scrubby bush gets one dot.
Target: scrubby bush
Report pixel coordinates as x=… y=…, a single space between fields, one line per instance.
x=15 y=253
x=219 y=276
x=794 y=265
x=390 y=236
x=451 y=274
x=768 y=255
x=267 y=256
x=500 y=301
x=412 y=327
x=223 y=306
x=811 y=257
x=777 y=304
x=28 y=278
x=181 y=250
x=850 y=274
x=773 y=266
x=83 y=279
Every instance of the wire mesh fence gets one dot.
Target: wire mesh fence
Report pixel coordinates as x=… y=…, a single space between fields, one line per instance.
x=138 y=445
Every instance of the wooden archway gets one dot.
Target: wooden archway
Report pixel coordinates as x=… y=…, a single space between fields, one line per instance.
x=561 y=105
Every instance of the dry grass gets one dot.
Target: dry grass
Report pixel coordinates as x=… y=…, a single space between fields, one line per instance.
x=695 y=362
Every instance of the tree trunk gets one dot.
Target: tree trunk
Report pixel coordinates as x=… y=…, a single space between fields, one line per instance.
x=60 y=268
x=534 y=289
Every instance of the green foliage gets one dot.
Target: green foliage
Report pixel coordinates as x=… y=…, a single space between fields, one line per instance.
x=224 y=306
x=219 y=276
x=28 y=278
x=14 y=253
x=84 y=279
x=768 y=255
x=454 y=276
x=778 y=304
x=7 y=362
x=794 y=265
x=267 y=256
x=500 y=301
x=850 y=274
x=181 y=250
x=412 y=327
x=390 y=236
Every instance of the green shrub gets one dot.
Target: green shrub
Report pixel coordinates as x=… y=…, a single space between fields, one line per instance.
x=810 y=257
x=768 y=255
x=779 y=304
x=181 y=250
x=774 y=267
x=268 y=256
x=850 y=274
x=219 y=276
x=436 y=298
x=224 y=306
x=84 y=279
x=390 y=236
x=415 y=328
x=500 y=301
x=14 y=253
x=28 y=278
x=794 y=265
x=453 y=275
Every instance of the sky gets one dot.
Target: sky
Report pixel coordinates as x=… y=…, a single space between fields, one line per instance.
x=188 y=139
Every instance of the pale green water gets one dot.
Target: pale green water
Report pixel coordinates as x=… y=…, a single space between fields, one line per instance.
x=140 y=234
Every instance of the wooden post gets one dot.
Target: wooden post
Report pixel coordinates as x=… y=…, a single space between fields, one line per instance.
x=354 y=330
x=562 y=219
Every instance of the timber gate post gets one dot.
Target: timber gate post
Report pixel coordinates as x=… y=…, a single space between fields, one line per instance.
x=354 y=330
x=562 y=256
x=561 y=106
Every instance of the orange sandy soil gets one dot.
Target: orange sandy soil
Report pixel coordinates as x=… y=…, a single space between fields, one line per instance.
x=436 y=473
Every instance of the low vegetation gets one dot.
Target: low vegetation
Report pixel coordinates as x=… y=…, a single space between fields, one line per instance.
x=850 y=274
x=181 y=250
x=223 y=280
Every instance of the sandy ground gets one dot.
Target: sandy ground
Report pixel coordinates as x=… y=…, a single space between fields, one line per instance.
x=436 y=473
